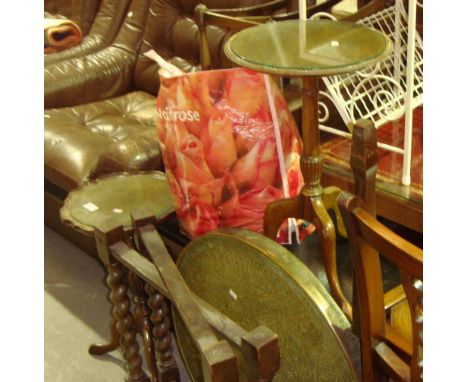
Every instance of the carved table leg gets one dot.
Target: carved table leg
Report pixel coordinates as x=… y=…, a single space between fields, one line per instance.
x=142 y=318
x=117 y=282
x=326 y=230
x=330 y=199
x=312 y=208
x=167 y=367
x=312 y=203
x=100 y=349
x=279 y=210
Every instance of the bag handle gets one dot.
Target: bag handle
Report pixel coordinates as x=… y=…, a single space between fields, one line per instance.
x=167 y=69
x=292 y=224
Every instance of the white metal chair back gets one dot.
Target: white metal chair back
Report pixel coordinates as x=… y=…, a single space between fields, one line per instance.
x=382 y=93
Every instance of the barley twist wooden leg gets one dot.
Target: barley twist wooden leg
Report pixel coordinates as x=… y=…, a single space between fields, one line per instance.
x=100 y=349
x=142 y=318
x=117 y=281
x=167 y=367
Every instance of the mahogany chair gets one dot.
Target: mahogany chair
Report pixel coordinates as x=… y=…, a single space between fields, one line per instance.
x=385 y=350
x=363 y=162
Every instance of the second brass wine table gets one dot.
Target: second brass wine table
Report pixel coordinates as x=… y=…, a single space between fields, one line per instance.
x=112 y=198
x=310 y=50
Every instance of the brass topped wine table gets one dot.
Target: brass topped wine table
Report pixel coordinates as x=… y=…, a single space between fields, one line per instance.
x=310 y=50
x=111 y=199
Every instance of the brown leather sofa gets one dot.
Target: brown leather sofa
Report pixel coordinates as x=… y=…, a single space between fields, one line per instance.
x=82 y=12
x=102 y=74
x=103 y=30
x=118 y=134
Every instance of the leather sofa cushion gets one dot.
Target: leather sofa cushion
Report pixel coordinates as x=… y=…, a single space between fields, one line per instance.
x=89 y=78
x=87 y=141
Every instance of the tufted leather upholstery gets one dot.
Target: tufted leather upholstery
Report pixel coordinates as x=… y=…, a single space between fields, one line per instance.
x=85 y=141
x=118 y=134
x=103 y=31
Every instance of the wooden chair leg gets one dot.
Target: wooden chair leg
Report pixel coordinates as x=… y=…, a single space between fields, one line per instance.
x=118 y=284
x=167 y=366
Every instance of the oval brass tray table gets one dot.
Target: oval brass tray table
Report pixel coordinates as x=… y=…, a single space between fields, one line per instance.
x=255 y=281
x=111 y=199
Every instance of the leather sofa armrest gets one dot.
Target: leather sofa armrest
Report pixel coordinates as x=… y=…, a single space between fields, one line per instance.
x=102 y=75
x=137 y=152
x=103 y=31
x=84 y=13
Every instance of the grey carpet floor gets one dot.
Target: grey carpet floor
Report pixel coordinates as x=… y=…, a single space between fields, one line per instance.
x=76 y=314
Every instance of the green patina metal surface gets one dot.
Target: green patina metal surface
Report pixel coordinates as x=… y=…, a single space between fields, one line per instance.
x=255 y=281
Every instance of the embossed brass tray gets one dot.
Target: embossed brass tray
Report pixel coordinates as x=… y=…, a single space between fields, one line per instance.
x=255 y=281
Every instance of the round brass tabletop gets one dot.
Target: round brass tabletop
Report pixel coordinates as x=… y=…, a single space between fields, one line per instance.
x=308 y=48
x=255 y=281
x=116 y=196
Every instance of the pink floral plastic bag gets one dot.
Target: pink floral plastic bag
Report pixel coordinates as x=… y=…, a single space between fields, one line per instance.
x=230 y=146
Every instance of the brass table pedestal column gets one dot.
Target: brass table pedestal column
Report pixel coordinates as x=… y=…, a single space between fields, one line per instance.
x=310 y=50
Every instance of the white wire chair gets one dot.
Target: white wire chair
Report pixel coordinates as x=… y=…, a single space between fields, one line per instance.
x=390 y=89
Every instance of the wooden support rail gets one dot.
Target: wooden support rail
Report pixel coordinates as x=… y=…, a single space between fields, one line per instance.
x=259 y=347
